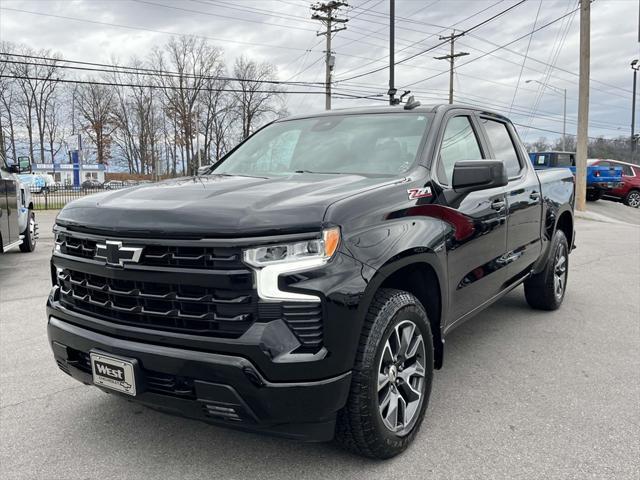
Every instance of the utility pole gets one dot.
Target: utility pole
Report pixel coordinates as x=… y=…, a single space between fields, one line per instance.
x=583 y=105
x=392 y=51
x=451 y=57
x=635 y=65
x=325 y=13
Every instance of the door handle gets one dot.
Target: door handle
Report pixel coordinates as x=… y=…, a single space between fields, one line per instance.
x=534 y=195
x=498 y=205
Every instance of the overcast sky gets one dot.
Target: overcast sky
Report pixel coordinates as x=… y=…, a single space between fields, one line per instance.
x=281 y=32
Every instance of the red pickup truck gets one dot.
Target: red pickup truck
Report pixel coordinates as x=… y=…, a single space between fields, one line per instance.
x=629 y=189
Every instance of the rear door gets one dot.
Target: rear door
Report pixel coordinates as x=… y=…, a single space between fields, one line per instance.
x=524 y=197
x=476 y=239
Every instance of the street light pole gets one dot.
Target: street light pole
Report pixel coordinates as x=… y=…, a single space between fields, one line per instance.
x=564 y=108
x=564 y=121
x=635 y=65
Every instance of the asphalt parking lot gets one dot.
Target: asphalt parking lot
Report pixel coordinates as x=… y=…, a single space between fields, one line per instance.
x=523 y=394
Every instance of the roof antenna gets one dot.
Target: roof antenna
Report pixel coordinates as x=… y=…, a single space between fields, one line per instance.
x=411 y=103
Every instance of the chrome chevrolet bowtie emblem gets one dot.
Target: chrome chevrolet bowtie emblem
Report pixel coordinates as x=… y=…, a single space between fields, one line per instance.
x=113 y=253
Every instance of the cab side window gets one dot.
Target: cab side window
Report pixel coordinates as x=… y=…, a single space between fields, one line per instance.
x=458 y=143
x=502 y=145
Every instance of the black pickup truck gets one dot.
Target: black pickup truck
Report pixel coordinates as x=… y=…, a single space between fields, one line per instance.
x=304 y=285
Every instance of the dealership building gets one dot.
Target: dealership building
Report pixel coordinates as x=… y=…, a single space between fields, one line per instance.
x=69 y=173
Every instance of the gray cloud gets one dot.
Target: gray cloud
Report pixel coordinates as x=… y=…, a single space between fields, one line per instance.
x=266 y=35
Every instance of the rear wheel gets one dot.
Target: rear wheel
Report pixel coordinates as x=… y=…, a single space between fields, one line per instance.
x=391 y=380
x=633 y=198
x=594 y=195
x=29 y=242
x=545 y=290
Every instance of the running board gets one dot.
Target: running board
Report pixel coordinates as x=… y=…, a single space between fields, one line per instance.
x=13 y=245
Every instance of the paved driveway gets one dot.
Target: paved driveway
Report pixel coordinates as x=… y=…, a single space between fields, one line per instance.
x=523 y=394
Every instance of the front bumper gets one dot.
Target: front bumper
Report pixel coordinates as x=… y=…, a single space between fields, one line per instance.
x=217 y=388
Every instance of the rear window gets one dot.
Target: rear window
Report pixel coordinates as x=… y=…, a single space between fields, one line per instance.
x=564 y=160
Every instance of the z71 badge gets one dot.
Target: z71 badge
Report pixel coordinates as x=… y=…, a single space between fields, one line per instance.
x=415 y=193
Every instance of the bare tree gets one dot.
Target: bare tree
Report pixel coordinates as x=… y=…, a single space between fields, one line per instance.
x=38 y=80
x=256 y=100
x=7 y=96
x=137 y=114
x=185 y=68
x=55 y=128
x=95 y=103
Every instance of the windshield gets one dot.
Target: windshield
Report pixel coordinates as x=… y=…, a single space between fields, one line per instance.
x=385 y=144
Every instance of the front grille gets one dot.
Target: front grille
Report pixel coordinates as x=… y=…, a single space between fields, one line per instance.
x=184 y=288
x=163 y=306
x=173 y=256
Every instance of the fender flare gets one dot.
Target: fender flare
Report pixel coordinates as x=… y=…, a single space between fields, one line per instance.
x=413 y=256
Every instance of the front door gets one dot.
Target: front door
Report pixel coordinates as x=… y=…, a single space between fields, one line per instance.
x=8 y=211
x=476 y=239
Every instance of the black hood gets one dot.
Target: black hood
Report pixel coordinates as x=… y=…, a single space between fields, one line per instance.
x=217 y=206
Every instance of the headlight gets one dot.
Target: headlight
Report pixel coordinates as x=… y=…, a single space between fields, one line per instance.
x=319 y=248
x=271 y=261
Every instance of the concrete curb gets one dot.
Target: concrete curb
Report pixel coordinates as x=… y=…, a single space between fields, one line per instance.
x=597 y=217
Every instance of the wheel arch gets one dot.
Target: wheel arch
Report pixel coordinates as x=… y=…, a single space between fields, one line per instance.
x=419 y=273
x=565 y=224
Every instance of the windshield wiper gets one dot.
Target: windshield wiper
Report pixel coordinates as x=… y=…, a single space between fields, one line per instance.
x=320 y=173
x=237 y=175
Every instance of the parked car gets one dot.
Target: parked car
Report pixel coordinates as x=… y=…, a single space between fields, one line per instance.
x=629 y=190
x=304 y=285
x=600 y=179
x=91 y=185
x=18 y=227
x=37 y=182
x=114 y=185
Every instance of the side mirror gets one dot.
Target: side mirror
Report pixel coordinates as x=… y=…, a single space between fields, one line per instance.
x=14 y=168
x=479 y=175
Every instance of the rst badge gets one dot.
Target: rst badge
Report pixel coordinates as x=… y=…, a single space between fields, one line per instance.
x=415 y=193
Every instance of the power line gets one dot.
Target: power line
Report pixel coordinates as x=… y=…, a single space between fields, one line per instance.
x=382 y=59
x=474 y=27
x=168 y=87
x=144 y=29
x=526 y=54
x=496 y=49
x=137 y=70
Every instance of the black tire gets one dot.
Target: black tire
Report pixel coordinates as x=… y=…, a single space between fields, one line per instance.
x=360 y=425
x=29 y=242
x=594 y=195
x=541 y=290
x=632 y=199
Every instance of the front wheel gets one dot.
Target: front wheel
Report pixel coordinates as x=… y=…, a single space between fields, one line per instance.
x=633 y=199
x=391 y=380
x=545 y=290
x=29 y=242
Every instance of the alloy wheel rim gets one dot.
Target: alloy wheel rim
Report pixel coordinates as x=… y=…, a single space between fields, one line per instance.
x=401 y=377
x=32 y=231
x=560 y=272
x=634 y=199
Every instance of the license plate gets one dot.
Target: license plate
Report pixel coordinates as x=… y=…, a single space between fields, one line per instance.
x=114 y=373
